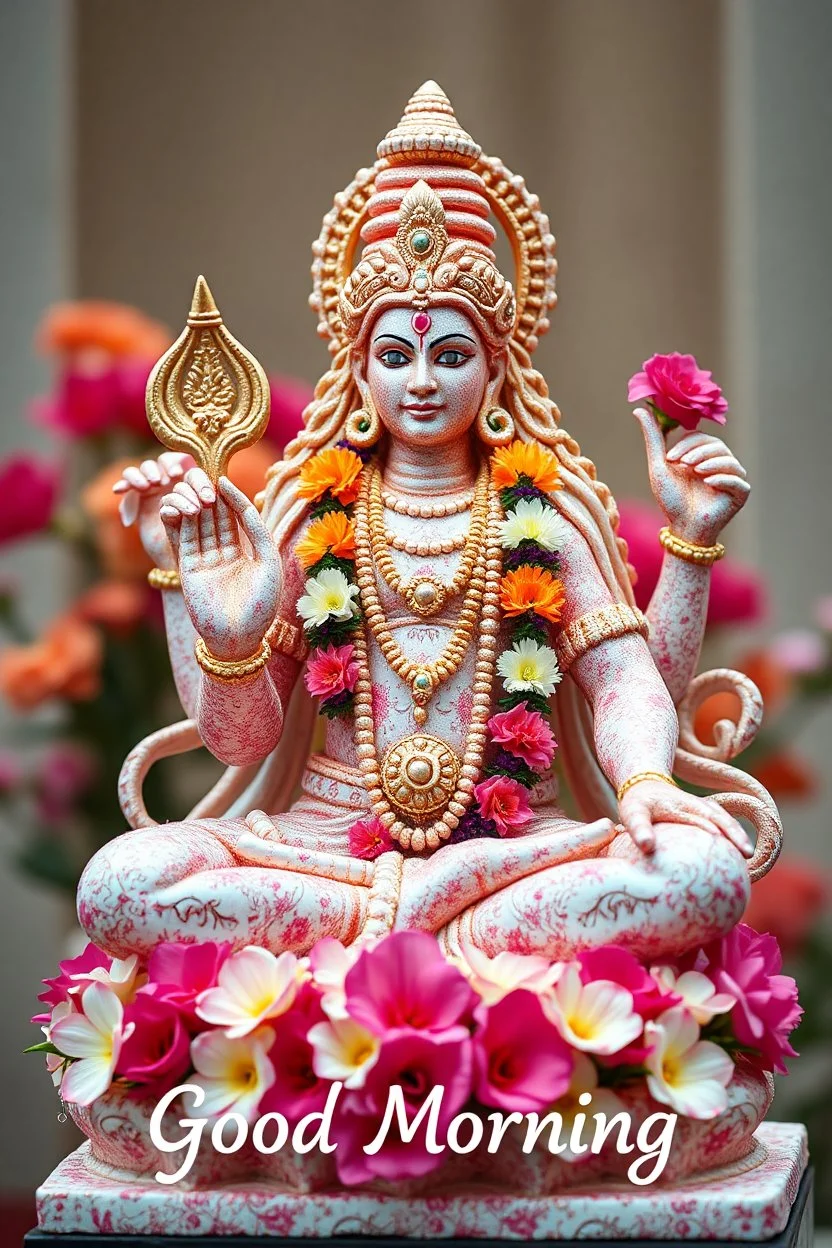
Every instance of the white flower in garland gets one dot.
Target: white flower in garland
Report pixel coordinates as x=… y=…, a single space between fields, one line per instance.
x=327 y=594
x=532 y=521
x=528 y=666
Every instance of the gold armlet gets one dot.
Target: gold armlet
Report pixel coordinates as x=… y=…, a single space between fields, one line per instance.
x=232 y=671
x=644 y=775
x=287 y=639
x=689 y=551
x=164 y=578
x=605 y=624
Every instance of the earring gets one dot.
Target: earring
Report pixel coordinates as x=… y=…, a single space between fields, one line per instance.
x=363 y=427
x=495 y=426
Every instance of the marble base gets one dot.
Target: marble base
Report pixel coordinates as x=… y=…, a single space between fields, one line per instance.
x=747 y=1202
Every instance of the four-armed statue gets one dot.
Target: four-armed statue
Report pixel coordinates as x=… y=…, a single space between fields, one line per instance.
x=437 y=564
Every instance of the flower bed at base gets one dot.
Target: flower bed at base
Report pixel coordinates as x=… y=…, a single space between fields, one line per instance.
x=259 y=1033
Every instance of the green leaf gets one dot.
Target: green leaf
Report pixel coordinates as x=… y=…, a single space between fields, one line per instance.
x=46 y=1046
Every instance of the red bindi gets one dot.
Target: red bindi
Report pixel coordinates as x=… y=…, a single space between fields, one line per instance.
x=421 y=323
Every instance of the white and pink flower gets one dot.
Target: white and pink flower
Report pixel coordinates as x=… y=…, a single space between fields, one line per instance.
x=94 y=1037
x=234 y=1072
x=252 y=987
x=686 y=1073
x=597 y=1017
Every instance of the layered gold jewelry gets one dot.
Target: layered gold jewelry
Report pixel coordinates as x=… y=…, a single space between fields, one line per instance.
x=427 y=511
x=426 y=595
x=689 y=551
x=644 y=775
x=164 y=578
x=445 y=546
x=232 y=671
x=421 y=774
x=604 y=624
x=288 y=639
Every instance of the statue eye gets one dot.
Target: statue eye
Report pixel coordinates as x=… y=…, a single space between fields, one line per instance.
x=452 y=357
x=393 y=358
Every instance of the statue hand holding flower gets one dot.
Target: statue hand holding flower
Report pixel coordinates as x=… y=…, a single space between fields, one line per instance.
x=698 y=483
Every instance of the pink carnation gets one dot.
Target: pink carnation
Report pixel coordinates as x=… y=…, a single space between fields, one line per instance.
x=747 y=965
x=525 y=734
x=521 y=1062
x=157 y=1052
x=95 y=395
x=504 y=801
x=28 y=493
x=331 y=671
x=58 y=988
x=405 y=981
x=64 y=775
x=179 y=973
x=415 y=1061
x=679 y=389
x=368 y=838
x=288 y=399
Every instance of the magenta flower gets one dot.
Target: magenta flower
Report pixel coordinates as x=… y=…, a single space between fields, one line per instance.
x=678 y=390
x=288 y=399
x=296 y=1090
x=405 y=981
x=369 y=838
x=179 y=973
x=747 y=965
x=525 y=734
x=504 y=801
x=57 y=989
x=94 y=398
x=28 y=493
x=157 y=1051
x=416 y=1062
x=331 y=671
x=521 y=1061
x=64 y=775
x=618 y=966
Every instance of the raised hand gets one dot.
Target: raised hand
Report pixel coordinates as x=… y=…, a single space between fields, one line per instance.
x=230 y=585
x=656 y=801
x=140 y=488
x=699 y=483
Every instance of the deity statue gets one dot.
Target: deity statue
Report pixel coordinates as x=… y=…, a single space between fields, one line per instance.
x=487 y=577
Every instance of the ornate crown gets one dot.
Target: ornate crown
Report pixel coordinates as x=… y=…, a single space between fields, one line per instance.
x=422 y=212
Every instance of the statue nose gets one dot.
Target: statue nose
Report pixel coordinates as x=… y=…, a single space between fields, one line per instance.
x=422 y=381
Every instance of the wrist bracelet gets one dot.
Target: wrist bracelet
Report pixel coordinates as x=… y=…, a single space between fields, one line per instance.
x=682 y=549
x=644 y=775
x=232 y=671
x=164 y=578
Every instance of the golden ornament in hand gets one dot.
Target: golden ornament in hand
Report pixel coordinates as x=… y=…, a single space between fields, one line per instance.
x=207 y=396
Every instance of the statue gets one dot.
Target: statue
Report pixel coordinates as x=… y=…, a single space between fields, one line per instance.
x=431 y=380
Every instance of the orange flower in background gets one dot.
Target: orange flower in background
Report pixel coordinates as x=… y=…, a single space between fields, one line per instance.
x=115 y=605
x=95 y=325
x=247 y=469
x=119 y=548
x=332 y=534
x=532 y=589
x=65 y=663
x=786 y=775
x=789 y=900
x=335 y=470
x=526 y=459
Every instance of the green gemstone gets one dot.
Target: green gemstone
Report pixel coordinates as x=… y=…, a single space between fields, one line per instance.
x=363 y=425
x=420 y=241
x=495 y=422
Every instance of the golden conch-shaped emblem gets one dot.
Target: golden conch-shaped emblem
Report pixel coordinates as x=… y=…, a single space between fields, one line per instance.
x=207 y=395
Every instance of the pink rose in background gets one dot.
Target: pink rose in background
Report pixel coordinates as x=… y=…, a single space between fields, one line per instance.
x=747 y=965
x=11 y=772
x=521 y=1061
x=157 y=1051
x=415 y=1061
x=95 y=394
x=505 y=802
x=66 y=772
x=179 y=973
x=800 y=651
x=289 y=397
x=525 y=734
x=57 y=989
x=28 y=494
x=331 y=670
x=405 y=981
x=738 y=593
x=368 y=838
x=678 y=389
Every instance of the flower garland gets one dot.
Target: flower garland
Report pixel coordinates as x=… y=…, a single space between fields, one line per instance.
x=521 y=744
x=261 y=1033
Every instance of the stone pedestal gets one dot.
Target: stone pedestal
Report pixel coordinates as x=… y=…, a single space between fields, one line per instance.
x=750 y=1201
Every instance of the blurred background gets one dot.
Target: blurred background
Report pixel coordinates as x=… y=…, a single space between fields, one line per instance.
x=682 y=154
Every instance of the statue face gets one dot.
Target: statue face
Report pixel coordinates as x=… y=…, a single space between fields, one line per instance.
x=428 y=387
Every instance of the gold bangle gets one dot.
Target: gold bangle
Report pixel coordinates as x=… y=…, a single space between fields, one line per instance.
x=164 y=578
x=704 y=555
x=232 y=671
x=644 y=775
x=608 y=623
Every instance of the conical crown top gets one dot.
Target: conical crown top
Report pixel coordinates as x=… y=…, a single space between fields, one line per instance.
x=204 y=310
x=429 y=130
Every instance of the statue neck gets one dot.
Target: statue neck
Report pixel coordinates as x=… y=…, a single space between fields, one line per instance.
x=450 y=469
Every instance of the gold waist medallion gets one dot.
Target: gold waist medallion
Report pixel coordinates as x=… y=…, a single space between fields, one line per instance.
x=419 y=775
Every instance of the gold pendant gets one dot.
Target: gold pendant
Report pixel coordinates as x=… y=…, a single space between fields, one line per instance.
x=425 y=595
x=419 y=775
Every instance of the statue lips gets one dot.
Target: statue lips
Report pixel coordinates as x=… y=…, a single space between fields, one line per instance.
x=422 y=411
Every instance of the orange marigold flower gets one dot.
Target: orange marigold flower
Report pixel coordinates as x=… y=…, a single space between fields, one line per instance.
x=528 y=459
x=95 y=325
x=532 y=589
x=335 y=470
x=332 y=534
x=64 y=663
